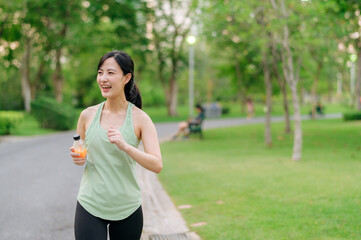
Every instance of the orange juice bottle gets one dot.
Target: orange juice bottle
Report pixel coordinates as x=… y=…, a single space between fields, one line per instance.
x=79 y=146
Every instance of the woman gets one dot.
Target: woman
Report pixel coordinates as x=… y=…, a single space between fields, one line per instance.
x=250 y=108
x=109 y=193
x=183 y=126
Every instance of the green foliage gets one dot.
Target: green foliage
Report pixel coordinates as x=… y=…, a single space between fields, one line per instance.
x=9 y=120
x=244 y=190
x=228 y=51
x=351 y=116
x=240 y=31
x=152 y=93
x=52 y=114
x=11 y=99
x=29 y=126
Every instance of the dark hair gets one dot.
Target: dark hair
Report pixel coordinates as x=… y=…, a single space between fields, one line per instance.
x=200 y=107
x=125 y=62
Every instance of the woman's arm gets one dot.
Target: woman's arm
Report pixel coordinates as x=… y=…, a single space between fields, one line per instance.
x=151 y=158
x=80 y=129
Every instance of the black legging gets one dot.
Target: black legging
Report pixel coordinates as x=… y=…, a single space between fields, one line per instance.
x=89 y=227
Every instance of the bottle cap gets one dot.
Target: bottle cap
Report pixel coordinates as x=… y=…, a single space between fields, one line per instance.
x=76 y=137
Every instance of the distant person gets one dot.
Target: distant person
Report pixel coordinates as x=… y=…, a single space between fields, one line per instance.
x=250 y=108
x=184 y=126
x=319 y=108
x=109 y=195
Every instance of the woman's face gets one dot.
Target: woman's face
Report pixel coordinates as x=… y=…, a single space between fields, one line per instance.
x=111 y=79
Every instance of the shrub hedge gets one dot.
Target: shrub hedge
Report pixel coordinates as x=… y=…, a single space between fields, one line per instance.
x=350 y=116
x=8 y=120
x=52 y=114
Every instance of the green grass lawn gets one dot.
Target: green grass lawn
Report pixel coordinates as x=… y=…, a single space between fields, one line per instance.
x=244 y=190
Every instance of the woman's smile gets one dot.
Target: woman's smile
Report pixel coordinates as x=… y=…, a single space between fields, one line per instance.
x=106 y=88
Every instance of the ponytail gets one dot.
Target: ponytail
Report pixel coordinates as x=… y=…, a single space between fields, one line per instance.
x=132 y=93
x=125 y=62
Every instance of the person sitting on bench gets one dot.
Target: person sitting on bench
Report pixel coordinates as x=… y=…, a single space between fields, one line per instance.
x=318 y=110
x=183 y=126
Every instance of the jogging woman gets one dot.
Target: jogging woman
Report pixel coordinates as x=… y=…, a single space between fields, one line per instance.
x=109 y=195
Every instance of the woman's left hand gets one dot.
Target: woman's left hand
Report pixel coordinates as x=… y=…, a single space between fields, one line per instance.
x=116 y=137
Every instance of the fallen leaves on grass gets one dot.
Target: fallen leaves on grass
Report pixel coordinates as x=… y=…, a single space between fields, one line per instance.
x=199 y=224
x=184 y=206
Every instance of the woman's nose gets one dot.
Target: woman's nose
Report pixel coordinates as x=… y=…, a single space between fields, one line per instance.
x=103 y=78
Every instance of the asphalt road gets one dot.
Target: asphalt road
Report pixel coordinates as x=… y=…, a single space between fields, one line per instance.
x=38 y=188
x=39 y=183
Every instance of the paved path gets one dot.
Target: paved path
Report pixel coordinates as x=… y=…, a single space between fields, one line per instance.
x=39 y=184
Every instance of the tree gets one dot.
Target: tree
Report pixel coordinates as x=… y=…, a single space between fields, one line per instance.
x=37 y=35
x=170 y=22
x=105 y=26
x=347 y=14
x=317 y=41
x=224 y=28
x=289 y=73
x=11 y=31
x=44 y=38
x=266 y=34
x=276 y=59
x=243 y=21
x=53 y=20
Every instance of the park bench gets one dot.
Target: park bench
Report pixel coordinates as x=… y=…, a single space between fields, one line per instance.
x=196 y=127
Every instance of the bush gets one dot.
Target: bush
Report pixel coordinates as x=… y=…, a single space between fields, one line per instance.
x=8 y=120
x=52 y=114
x=350 y=116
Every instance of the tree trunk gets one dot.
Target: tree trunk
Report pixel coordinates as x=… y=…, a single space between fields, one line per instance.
x=289 y=75
x=330 y=90
x=58 y=79
x=172 y=92
x=268 y=84
x=171 y=98
x=358 y=80
x=314 y=90
x=35 y=83
x=267 y=81
x=288 y=70
x=171 y=87
x=297 y=142
x=25 y=75
x=297 y=78
x=285 y=107
x=282 y=84
x=241 y=93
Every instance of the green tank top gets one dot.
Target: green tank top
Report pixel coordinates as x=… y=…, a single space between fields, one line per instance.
x=109 y=188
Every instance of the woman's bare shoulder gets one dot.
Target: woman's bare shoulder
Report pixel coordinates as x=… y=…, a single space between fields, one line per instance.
x=140 y=115
x=89 y=112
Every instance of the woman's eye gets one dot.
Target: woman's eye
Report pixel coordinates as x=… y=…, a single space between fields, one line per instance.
x=99 y=73
x=110 y=72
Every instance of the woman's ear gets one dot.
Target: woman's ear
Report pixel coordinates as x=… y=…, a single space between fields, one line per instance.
x=127 y=78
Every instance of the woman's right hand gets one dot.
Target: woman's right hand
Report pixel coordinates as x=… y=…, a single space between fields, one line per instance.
x=76 y=159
